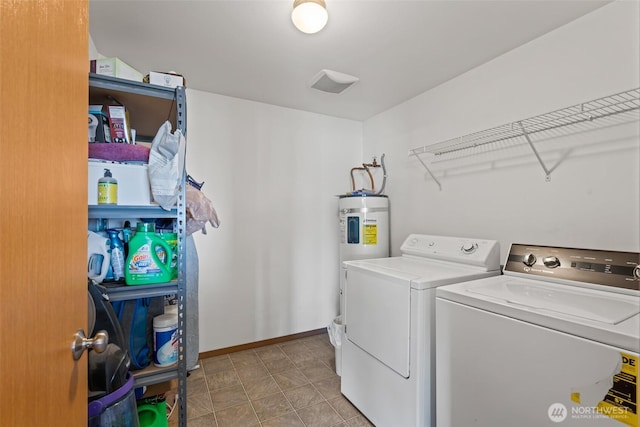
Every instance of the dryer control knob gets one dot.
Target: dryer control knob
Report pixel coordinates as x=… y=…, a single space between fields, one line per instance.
x=469 y=248
x=636 y=272
x=551 y=262
x=529 y=259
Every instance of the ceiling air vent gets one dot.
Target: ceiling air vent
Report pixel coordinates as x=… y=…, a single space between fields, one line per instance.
x=332 y=81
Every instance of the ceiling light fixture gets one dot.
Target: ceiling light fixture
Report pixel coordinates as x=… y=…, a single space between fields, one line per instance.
x=309 y=16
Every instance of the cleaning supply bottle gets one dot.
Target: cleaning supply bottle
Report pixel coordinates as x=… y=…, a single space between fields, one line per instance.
x=143 y=265
x=107 y=189
x=98 y=257
x=126 y=236
x=117 y=254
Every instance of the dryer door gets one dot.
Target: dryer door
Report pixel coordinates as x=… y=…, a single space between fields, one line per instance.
x=378 y=316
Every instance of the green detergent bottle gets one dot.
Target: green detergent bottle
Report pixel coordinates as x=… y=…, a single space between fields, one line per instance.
x=143 y=265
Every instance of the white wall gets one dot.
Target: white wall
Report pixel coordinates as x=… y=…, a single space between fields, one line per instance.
x=592 y=199
x=273 y=174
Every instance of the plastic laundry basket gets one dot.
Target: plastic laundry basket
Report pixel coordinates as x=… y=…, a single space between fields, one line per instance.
x=336 y=335
x=116 y=409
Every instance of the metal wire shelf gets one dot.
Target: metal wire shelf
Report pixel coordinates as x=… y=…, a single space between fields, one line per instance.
x=580 y=115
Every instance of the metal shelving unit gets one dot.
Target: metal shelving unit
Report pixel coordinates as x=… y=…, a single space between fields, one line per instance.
x=149 y=106
x=620 y=107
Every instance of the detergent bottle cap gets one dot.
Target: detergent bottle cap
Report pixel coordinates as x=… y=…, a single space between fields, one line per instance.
x=107 y=173
x=149 y=227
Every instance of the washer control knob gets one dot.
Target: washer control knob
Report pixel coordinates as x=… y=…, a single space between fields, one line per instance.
x=469 y=247
x=636 y=272
x=551 y=262
x=529 y=259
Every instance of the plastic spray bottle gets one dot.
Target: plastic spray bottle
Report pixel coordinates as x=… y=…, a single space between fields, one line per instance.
x=117 y=254
x=107 y=189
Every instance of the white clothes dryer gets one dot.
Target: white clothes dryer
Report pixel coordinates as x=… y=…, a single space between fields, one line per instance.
x=388 y=353
x=554 y=341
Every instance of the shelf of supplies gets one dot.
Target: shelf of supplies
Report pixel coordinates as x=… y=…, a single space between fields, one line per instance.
x=99 y=81
x=154 y=374
x=124 y=212
x=586 y=116
x=148 y=105
x=127 y=292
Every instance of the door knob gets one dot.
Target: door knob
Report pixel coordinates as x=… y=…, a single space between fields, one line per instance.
x=81 y=343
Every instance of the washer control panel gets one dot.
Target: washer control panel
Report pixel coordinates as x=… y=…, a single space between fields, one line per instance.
x=609 y=268
x=479 y=252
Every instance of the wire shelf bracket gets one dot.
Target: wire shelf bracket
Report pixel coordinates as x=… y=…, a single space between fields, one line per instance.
x=428 y=170
x=585 y=114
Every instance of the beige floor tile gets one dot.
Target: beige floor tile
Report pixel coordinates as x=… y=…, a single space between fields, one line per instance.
x=290 y=419
x=252 y=372
x=316 y=345
x=359 y=421
x=343 y=407
x=293 y=347
x=315 y=370
x=196 y=386
x=278 y=365
x=292 y=384
x=196 y=373
x=304 y=396
x=199 y=405
x=270 y=352
x=301 y=357
x=237 y=416
x=271 y=406
x=290 y=379
x=227 y=397
x=216 y=364
x=261 y=387
x=244 y=358
x=203 y=421
x=329 y=361
x=329 y=388
x=222 y=379
x=319 y=415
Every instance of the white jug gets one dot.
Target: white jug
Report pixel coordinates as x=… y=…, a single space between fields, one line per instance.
x=98 y=256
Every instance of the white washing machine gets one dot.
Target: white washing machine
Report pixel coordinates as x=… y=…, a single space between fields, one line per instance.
x=554 y=341
x=388 y=353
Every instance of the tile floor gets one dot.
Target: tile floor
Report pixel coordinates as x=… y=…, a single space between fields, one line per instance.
x=292 y=384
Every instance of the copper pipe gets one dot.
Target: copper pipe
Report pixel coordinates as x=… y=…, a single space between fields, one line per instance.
x=353 y=183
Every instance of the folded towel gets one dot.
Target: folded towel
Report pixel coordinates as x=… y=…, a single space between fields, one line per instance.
x=119 y=152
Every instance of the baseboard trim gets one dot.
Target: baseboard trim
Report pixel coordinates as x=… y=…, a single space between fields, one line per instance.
x=262 y=343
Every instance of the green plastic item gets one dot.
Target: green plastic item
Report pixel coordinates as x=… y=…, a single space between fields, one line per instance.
x=172 y=240
x=153 y=415
x=143 y=265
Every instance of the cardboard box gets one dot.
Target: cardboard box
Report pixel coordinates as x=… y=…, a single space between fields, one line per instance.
x=133 y=182
x=160 y=388
x=99 y=130
x=166 y=79
x=118 y=124
x=114 y=67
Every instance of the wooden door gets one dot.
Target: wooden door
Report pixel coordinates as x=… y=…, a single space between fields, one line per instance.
x=43 y=210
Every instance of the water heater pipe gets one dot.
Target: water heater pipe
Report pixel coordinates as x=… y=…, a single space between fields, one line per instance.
x=364 y=168
x=384 y=175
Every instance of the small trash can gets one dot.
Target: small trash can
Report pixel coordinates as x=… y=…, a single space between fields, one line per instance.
x=336 y=335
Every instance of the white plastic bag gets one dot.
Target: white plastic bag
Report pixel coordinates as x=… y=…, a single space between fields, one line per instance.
x=335 y=330
x=166 y=163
